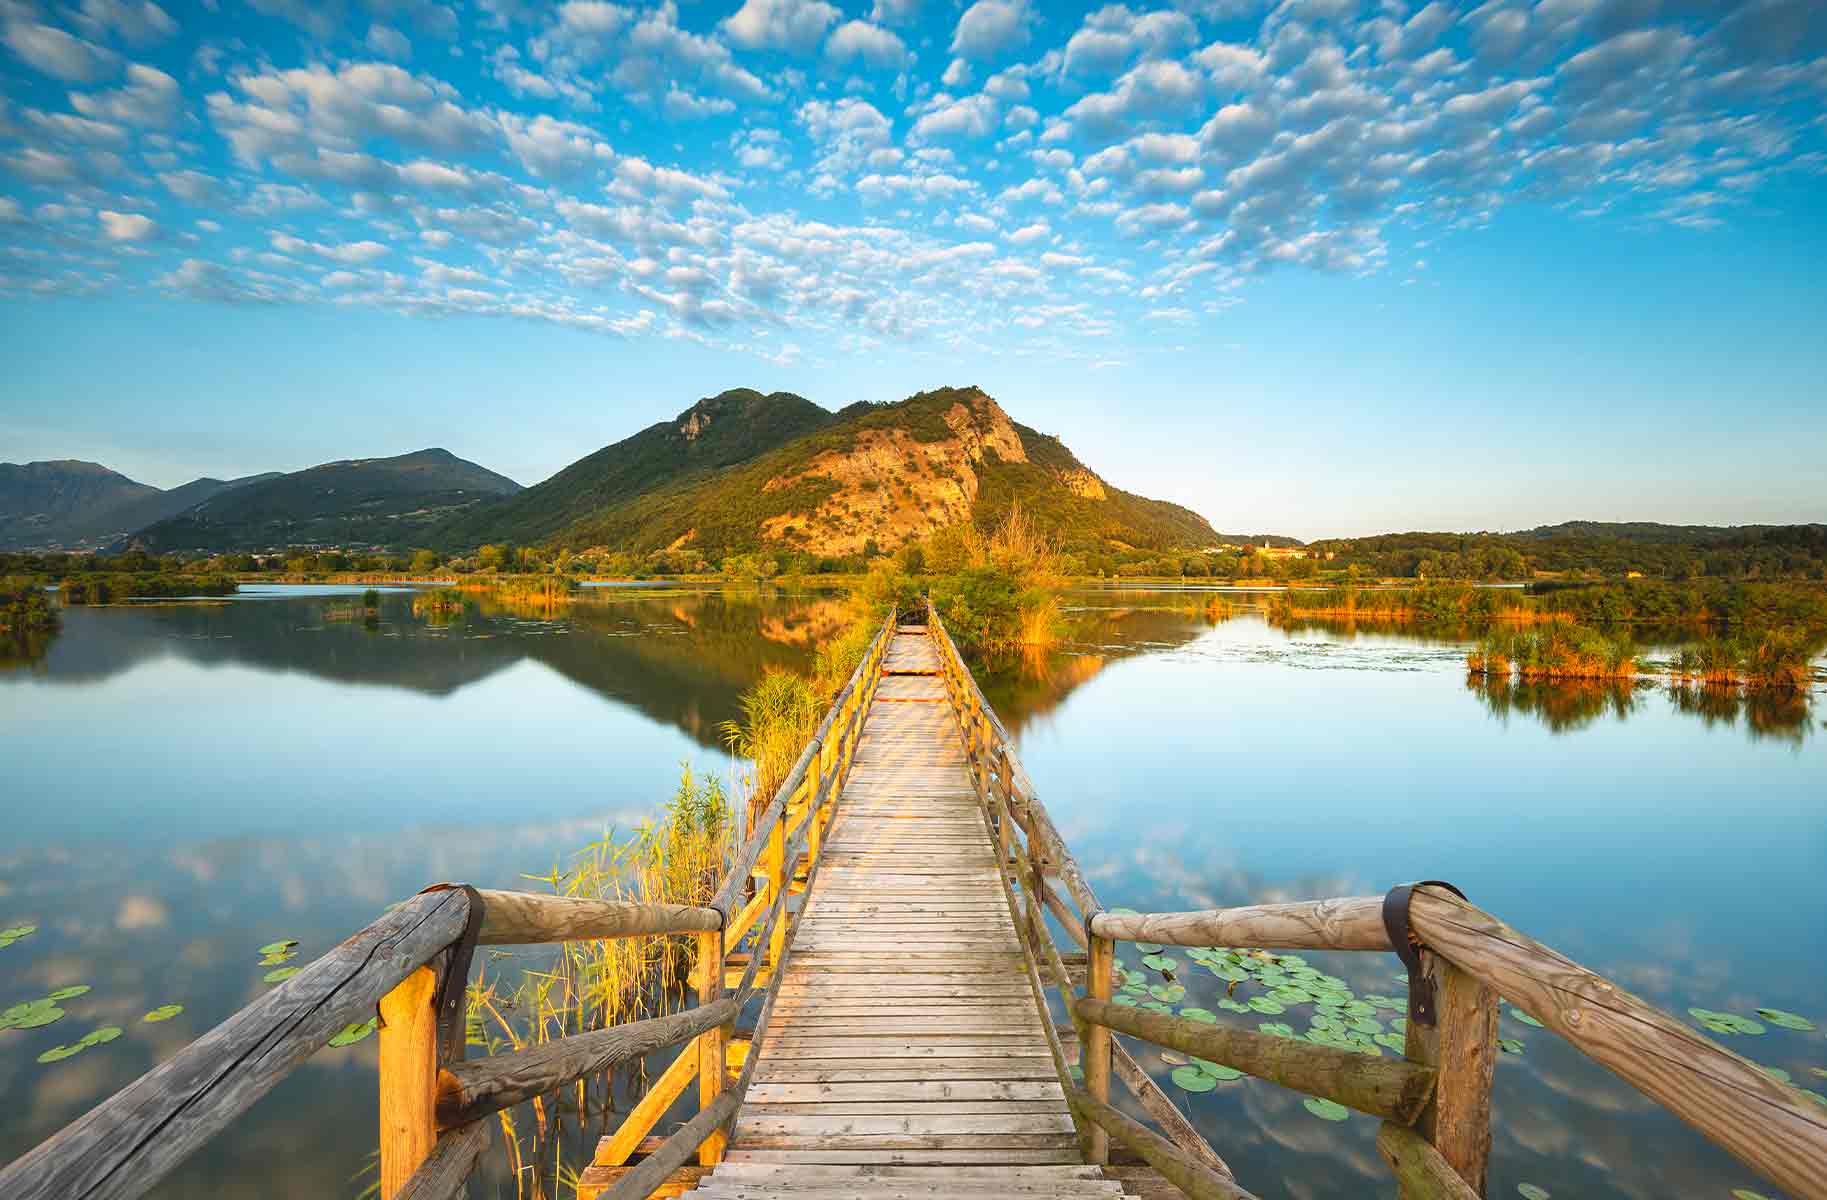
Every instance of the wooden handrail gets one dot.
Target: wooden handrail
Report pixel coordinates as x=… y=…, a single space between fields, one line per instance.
x=525 y=918
x=1352 y=923
x=444 y=1174
x=1193 y=1178
x=130 y=1141
x=1419 y=1169
x=468 y=1091
x=1389 y=1088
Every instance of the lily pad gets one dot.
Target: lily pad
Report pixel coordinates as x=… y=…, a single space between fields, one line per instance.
x=1127 y=999
x=1168 y=993
x=279 y=947
x=1786 y=1020
x=1229 y=972
x=1173 y=1059
x=1192 y=1079
x=279 y=976
x=1510 y=1045
x=1157 y=1006
x=1524 y=1017
x=1390 y=1002
x=1277 y=1029
x=69 y=993
x=1200 y=1014
x=1529 y=1191
x=1161 y=962
x=163 y=1012
x=1230 y=1005
x=1325 y=1110
x=13 y=933
x=1148 y=947
x=59 y=1053
x=1776 y=1073
x=98 y=1037
x=1218 y=1071
x=1748 y=1194
x=1392 y=1041
x=1724 y=1022
x=33 y=1014
x=1821 y=1071
x=1267 y=1005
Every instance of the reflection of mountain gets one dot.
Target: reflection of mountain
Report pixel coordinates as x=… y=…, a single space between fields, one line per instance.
x=681 y=659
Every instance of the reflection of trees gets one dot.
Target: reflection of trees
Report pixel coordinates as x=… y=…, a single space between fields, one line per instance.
x=1768 y=712
x=24 y=648
x=1561 y=705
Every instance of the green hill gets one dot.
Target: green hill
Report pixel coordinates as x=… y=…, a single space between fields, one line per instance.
x=356 y=502
x=716 y=432
x=54 y=504
x=742 y=472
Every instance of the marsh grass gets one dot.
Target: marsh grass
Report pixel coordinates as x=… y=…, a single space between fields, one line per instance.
x=532 y=998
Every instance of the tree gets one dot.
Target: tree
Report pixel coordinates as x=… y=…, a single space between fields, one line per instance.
x=424 y=562
x=494 y=558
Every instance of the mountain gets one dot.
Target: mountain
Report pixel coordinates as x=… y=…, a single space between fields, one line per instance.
x=1656 y=533
x=716 y=432
x=72 y=505
x=742 y=471
x=355 y=502
x=44 y=504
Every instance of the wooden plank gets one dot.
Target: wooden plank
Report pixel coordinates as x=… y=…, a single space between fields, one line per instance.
x=444 y=1174
x=614 y=1150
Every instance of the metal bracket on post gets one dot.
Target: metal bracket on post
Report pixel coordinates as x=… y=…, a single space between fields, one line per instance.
x=1408 y=947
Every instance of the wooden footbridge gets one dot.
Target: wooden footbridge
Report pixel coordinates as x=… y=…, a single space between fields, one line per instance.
x=918 y=1030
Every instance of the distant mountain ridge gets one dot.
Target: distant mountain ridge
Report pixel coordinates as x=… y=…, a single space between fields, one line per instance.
x=1655 y=531
x=743 y=471
x=71 y=504
x=352 y=502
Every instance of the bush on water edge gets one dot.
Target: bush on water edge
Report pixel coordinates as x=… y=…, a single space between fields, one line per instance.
x=24 y=606
x=100 y=588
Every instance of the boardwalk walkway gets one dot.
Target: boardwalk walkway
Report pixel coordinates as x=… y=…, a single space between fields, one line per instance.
x=905 y=1055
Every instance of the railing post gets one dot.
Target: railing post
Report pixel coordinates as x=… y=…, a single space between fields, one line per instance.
x=1099 y=959
x=408 y=1077
x=1462 y=1048
x=814 y=829
x=1005 y=815
x=710 y=1042
x=777 y=884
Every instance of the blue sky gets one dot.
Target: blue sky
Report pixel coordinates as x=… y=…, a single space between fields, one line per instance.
x=1322 y=266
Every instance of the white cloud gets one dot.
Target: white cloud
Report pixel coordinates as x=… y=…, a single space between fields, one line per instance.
x=990 y=27
x=681 y=105
x=140 y=23
x=895 y=12
x=388 y=43
x=127 y=227
x=872 y=44
x=550 y=148
x=973 y=116
x=1037 y=232
x=150 y=99
x=59 y=54
x=1153 y=89
x=795 y=25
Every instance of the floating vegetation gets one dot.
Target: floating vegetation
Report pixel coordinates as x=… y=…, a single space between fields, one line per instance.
x=274 y=953
x=1776 y=1073
x=1786 y=1020
x=279 y=976
x=1160 y=962
x=1510 y=1045
x=9 y=936
x=1724 y=1022
x=1277 y=1029
x=163 y=1012
x=351 y=1034
x=1748 y=1194
x=1168 y=993
x=1193 y=1079
x=1524 y=1017
x=1325 y=1110
x=69 y=993
x=95 y=1037
x=32 y=1014
x=1529 y=1191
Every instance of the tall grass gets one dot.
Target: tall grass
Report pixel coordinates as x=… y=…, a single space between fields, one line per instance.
x=779 y=715
x=1559 y=650
x=1772 y=658
x=680 y=858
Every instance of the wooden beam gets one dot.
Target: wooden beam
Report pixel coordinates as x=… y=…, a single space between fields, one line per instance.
x=1419 y=1170
x=1155 y=1103
x=408 y=1038
x=1381 y=1087
x=651 y=1172
x=1462 y=1049
x=126 y=1144
x=442 y=1176
x=1352 y=923
x=1193 y=1179
x=528 y=918
x=471 y=1090
x=614 y=1150
x=1095 y=1056
x=709 y=1048
x=1769 y=1126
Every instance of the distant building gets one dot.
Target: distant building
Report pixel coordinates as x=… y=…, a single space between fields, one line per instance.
x=1268 y=551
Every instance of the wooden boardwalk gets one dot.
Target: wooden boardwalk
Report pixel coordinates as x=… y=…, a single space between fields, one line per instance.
x=905 y=1054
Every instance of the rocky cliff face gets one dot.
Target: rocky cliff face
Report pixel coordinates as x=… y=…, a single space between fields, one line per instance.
x=892 y=487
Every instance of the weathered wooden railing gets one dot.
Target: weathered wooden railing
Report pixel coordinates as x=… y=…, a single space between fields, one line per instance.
x=1435 y=1103
x=434 y=1105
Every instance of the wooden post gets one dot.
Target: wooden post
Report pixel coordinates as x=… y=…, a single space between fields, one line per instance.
x=815 y=776
x=710 y=1043
x=1462 y=1048
x=409 y=1078
x=1005 y=816
x=777 y=884
x=1099 y=960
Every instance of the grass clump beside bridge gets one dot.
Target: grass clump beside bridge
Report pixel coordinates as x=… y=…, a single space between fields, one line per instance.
x=531 y=999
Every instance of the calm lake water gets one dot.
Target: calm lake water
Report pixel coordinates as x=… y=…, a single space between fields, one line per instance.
x=185 y=783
